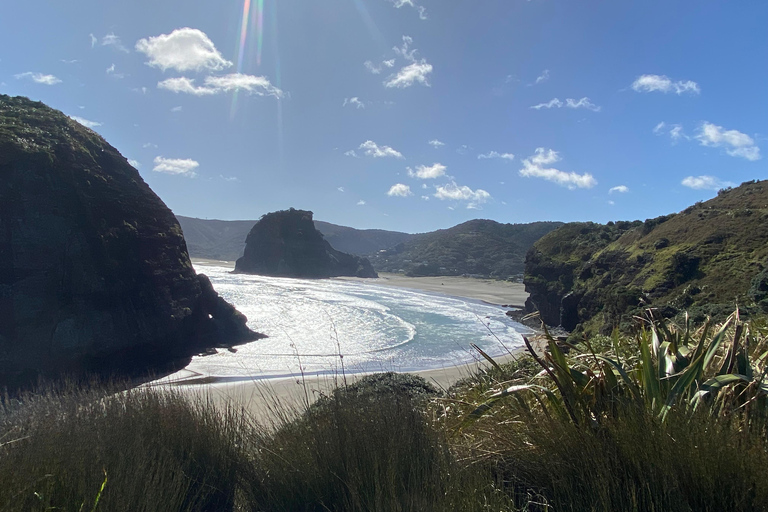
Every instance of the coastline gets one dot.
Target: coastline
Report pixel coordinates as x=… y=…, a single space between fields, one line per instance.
x=266 y=398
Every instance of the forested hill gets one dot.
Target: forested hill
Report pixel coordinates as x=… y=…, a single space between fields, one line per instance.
x=225 y=239
x=481 y=247
x=704 y=260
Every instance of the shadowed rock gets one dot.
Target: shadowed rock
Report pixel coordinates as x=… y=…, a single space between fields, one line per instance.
x=94 y=271
x=286 y=243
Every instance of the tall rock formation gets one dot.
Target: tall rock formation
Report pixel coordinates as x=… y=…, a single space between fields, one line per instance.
x=94 y=271
x=286 y=243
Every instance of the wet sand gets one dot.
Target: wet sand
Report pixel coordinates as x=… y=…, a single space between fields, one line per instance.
x=487 y=290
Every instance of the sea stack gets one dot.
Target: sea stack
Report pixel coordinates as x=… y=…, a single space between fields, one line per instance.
x=94 y=270
x=286 y=243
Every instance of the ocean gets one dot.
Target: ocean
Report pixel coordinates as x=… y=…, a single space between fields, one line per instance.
x=328 y=326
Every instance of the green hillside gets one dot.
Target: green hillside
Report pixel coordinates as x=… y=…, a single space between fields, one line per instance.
x=482 y=247
x=704 y=260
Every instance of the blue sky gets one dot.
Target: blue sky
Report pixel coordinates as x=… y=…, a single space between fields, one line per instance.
x=409 y=115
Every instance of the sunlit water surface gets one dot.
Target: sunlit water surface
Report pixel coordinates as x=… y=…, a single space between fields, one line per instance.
x=311 y=324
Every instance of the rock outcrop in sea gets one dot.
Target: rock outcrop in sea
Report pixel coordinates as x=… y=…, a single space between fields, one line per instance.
x=94 y=270
x=286 y=243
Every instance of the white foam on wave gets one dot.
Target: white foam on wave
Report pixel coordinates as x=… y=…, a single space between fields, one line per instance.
x=311 y=323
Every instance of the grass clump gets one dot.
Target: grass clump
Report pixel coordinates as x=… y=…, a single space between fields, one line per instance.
x=670 y=419
x=369 y=446
x=134 y=450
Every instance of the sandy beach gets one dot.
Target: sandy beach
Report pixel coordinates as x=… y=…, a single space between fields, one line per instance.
x=261 y=396
x=487 y=290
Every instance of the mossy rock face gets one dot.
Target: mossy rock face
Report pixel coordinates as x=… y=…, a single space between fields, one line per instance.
x=708 y=258
x=94 y=271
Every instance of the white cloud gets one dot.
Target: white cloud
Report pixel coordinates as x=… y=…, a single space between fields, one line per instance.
x=149 y=145
x=454 y=192
x=178 y=166
x=372 y=149
x=425 y=198
x=494 y=154
x=582 y=103
x=354 y=102
x=351 y=153
x=340 y=189
x=705 y=183
x=569 y=103
x=436 y=143
x=675 y=131
x=534 y=166
x=426 y=172
x=258 y=85
x=543 y=77
x=621 y=189
x=662 y=83
x=93 y=40
x=410 y=74
x=112 y=72
x=113 y=41
x=735 y=143
x=176 y=109
x=38 y=78
x=400 y=190
x=186 y=85
x=134 y=163
x=370 y=66
x=184 y=49
x=361 y=203
x=85 y=122
x=230 y=179
x=415 y=72
x=410 y=3
x=553 y=103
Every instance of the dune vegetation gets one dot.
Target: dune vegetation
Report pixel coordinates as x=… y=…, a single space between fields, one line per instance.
x=670 y=418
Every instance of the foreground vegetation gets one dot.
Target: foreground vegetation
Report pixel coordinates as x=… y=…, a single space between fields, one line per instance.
x=672 y=418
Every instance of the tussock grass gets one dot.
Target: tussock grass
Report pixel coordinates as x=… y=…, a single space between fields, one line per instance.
x=155 y=450
x=672 y=419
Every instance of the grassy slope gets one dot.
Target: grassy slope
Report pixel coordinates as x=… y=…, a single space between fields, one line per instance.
x=701 y=258
x=474 y=247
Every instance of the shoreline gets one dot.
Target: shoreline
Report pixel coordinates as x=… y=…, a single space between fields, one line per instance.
x=261 y=396
x=490 y=291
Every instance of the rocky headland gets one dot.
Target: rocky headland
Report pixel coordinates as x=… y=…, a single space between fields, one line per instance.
x=705 y=260
x=286 y=243
x=94 y=270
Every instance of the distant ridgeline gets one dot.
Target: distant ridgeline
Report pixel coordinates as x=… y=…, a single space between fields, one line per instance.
x=704 y=260
x=477 y=247
x=225 y=239
x=286 y=243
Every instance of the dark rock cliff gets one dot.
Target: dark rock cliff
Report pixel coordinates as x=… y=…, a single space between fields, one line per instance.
x=94 y=271
x=286 y=243
x=704 y=260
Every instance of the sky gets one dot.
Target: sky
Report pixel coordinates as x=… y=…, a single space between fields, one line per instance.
x=409 y=115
